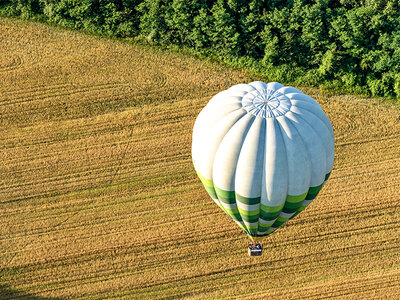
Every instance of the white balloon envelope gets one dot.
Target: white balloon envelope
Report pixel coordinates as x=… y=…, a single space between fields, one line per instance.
x=263 y=152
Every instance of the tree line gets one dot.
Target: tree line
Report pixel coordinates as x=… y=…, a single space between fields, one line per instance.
x=348 y=45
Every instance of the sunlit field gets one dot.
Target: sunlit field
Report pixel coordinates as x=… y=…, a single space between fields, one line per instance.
x=99 y=198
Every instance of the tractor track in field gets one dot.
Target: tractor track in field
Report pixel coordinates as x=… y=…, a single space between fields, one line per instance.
x=283 y=264
x=77 y=212
x=188 y=258
x=41 y=93
x=310 y=219
x=246 y=268
x=60 y=153
x=73 y=181
x=350 y=287
x=15 y=63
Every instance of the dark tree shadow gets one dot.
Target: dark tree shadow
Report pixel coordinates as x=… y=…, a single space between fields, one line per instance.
x=6 y=293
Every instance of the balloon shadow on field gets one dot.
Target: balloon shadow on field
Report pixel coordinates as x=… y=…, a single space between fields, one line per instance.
x=8 y=293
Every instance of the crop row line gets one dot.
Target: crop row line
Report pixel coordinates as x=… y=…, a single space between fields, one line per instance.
x=244 y=269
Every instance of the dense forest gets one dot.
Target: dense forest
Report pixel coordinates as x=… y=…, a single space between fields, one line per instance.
x=344 y=45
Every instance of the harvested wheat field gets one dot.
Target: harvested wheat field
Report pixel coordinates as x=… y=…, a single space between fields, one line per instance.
x=99 y=198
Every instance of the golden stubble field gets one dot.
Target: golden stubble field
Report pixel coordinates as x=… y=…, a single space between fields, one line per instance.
x=99 y=199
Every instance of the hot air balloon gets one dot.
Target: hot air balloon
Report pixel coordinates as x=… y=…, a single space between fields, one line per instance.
x=263 y=152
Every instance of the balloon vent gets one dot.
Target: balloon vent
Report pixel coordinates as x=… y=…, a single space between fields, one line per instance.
x=266 y=103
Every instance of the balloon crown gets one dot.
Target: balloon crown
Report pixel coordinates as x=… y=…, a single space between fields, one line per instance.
x=266 y=103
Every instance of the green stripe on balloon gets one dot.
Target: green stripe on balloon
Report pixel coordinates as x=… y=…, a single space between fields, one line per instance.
x=252 y=229
x=243 y=227
x=295 y=199
x=311 y=195
x=208 y=185
x=298 y=211
x=315 y=189
x=291 y=207
x=268 y=216
x=279 y=222
x=234 y=214
x=313 y=192
x=269 y=213
x=225 y=194
x=206 y=182
x=248 y=201
x=211 y=192
x=249 y=216
x=271 y=209
x=226 y=200
x=327 y=176
x=227 y=197
x=293 y=203
x=263 y=227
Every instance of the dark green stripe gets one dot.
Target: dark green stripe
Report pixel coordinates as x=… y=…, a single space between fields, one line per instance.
x=226 y=200
x=315 y=189
x=327 y=176
x=225 y=194
x=263 y=227
x=278 y=223
x=269 y=216
x=311 y=196
x=291 y=207
x=248 y=201
x=248 y=218
x=313 y=192
x=252 y=229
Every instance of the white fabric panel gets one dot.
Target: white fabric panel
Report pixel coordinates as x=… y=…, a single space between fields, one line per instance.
x=274 y=85
x=216 y=201
x=206 y=120
x=275 y=168
x=299 y=164
x=289 y=90
x=265 y=222
x=227 y=99
x=240 y=223
x=248 y=207
x=228 y=206
x=315 y=109
x=227 y=155
x=286 y=215
x=322 y=131
x=315 y=148
x=303 y=97
x=208 y=146
x=240 y=88
x=258 y=85
x=208 y=117
x=248 y=224
x=249 y=169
